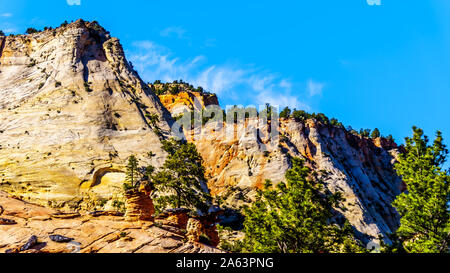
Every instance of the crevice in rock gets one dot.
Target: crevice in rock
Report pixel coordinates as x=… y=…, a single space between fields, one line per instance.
x=2 y=46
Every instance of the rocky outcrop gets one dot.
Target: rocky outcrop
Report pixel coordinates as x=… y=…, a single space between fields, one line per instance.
x=194 y=230
x=195 y=227
x=88 y=234
x=174 y=217
x=184 y=99
x=72 y=110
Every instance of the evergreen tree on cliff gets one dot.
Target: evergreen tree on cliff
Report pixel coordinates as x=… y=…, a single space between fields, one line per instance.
x=181 y=177
x=293 y=217
x=424 y=209
x=375 y=133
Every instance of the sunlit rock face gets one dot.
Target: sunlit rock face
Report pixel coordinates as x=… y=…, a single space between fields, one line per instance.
x=72 y=110
x=239 y=158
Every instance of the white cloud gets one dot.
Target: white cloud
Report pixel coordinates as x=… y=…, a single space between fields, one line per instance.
x=219 y=79
x=73 y=2
x=286 y=84
x=176 y=31
x=231 y=82
x=155 y=62
x=10 y=30
x=314 y=88
x=6 y=15
x=278 y=92
x=210 y=42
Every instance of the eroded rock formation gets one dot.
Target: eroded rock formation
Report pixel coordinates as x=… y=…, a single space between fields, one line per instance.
x=139 y=206
x=72 y=110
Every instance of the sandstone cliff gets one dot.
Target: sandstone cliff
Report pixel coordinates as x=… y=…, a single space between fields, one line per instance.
x=72 y=110
x=89 y=233
x=180 y=97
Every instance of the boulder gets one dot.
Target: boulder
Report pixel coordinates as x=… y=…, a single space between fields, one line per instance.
x=32 y=241
x=60 y=238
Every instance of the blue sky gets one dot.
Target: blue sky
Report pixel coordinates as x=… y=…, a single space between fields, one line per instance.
x=369 y=66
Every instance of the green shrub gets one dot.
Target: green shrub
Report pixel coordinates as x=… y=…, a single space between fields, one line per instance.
x=375 y=133
x=174 y=90
x=31 y=30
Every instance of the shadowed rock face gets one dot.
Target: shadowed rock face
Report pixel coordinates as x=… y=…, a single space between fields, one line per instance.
x=72 y=108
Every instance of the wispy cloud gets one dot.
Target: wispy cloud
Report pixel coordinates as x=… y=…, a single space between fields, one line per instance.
x=210 y=42
x=174 y=31
x=5 y=23
x=232 y=82
x=314 y=88
x=155 y=62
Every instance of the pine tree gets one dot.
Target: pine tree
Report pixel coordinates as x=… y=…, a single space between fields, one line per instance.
x=424 y=211
x=2 y=33
x=132 y=174
x=375 y=133
x=181 y=177
x=64 y=24
x=294 y=217
x=364 y=132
